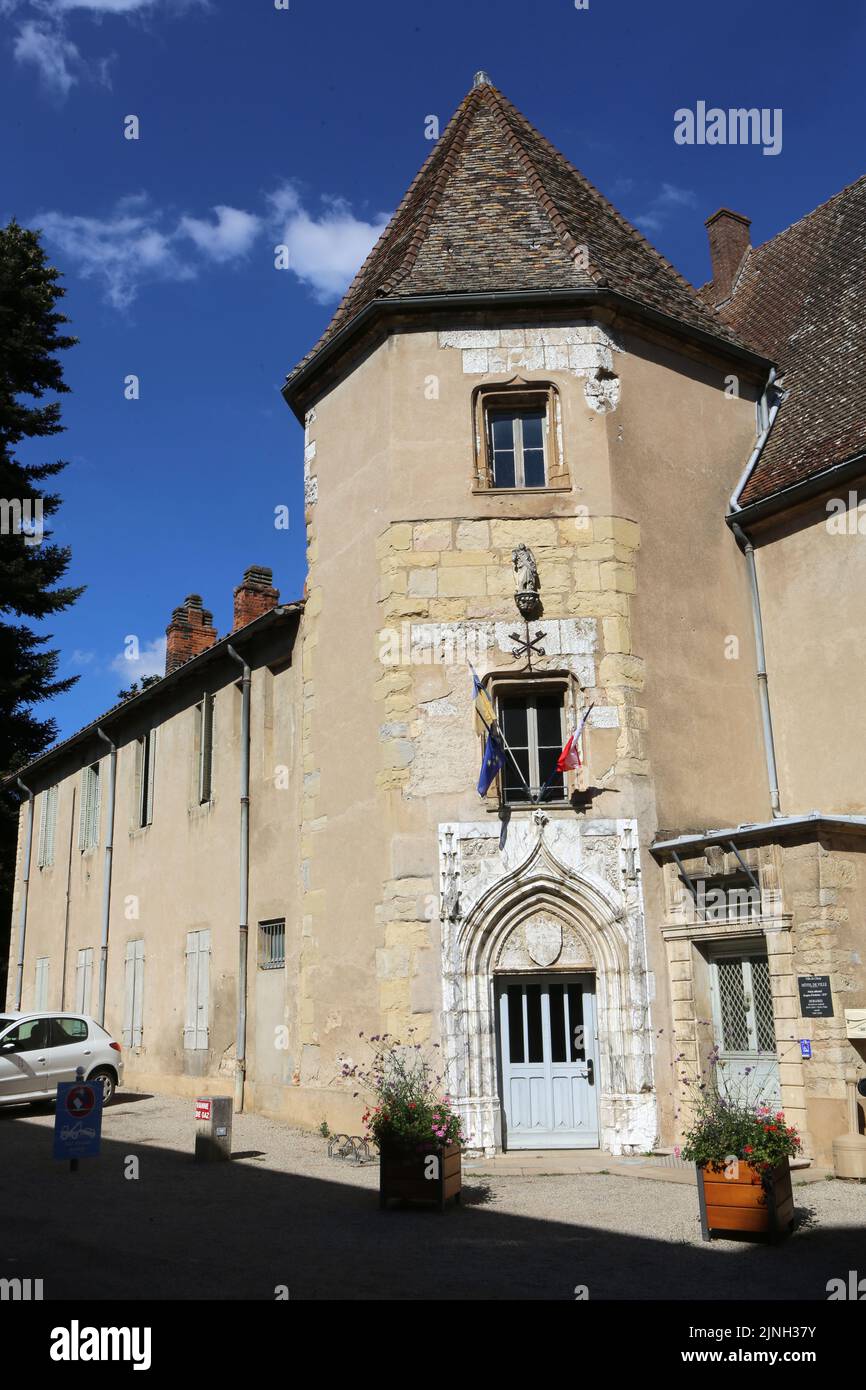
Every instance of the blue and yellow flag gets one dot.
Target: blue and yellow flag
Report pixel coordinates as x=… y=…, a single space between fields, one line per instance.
x=483 y=705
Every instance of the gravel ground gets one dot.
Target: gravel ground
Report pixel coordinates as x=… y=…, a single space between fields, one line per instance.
x=283 y=1213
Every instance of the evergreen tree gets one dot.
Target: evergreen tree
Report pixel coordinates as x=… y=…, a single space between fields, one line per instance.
x=31 y=567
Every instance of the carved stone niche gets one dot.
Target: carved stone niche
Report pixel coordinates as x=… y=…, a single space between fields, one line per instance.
x=543 y=942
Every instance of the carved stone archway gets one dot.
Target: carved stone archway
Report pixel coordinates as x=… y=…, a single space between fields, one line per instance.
x=542 y=915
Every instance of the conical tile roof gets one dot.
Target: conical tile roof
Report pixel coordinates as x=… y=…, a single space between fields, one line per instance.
x=495 y=208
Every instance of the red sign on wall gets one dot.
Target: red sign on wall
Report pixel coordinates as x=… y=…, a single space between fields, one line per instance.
x=202 y=1109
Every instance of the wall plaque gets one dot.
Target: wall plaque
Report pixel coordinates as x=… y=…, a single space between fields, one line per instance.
x=816 y=1000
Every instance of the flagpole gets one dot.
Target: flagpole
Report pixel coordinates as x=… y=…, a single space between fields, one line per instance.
x=577 y=733
x=498 y=734
x=495 y=731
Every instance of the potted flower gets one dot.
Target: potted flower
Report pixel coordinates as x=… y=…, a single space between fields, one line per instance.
x=412 y=1122
x=741 y=1150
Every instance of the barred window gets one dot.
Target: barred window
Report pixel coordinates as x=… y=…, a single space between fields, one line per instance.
x=272 y=944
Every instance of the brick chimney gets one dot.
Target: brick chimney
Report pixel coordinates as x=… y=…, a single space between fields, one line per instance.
x=255 y=595
x=729 y=241
x=190 y=631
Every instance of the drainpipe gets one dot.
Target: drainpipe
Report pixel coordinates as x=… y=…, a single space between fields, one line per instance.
x=68 y=901
x=243 y=925
x=106 y=880
x=734 y=504
x=25 y=885
x=767 y=723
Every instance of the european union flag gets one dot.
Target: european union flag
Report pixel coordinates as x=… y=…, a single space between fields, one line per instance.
x=494 y=761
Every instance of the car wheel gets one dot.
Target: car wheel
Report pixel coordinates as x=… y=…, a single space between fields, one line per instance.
x=107 y=1082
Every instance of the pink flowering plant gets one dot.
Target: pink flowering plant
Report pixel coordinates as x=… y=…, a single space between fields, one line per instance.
x=406 y=1105
x=727 y=1122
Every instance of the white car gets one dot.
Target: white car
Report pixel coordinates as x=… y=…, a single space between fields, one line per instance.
x=39 y=1050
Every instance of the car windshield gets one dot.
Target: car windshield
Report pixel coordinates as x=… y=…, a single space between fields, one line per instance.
x=4 y=1023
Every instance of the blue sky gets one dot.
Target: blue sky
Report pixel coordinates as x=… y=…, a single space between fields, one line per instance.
x=304 y=125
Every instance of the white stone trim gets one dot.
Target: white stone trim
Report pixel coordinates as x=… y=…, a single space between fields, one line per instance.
x=551 y=866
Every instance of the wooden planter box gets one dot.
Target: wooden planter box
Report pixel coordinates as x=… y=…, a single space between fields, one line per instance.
x=745 y=1203
x=402 y=1176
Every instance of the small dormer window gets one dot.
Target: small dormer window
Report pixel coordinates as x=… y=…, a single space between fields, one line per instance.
x=517 y=433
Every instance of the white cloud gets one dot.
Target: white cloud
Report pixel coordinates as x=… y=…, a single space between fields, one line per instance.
x=149 y=662
x=104 y=6
x=42 y=41
x=324 y=252
x=136 y=244
x=81 y=658
x=55 y=57
x=230 y=236
x=668 y=199
x=120 y=251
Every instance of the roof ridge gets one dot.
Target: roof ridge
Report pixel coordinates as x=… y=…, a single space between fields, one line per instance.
x=820 y=207
x=621 y=220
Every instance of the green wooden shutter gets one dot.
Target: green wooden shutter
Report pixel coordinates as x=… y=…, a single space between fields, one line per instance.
x=151 y=773
x=133 y=995
x=47 y=823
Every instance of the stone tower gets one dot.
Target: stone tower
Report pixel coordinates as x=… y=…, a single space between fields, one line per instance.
x=514 y=365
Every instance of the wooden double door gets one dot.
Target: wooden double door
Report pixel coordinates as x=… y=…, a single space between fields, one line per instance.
x=547 y=1061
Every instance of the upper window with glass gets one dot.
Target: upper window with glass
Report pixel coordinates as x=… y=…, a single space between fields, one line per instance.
x=517 y=447
x=517 y=433
x=533 y=728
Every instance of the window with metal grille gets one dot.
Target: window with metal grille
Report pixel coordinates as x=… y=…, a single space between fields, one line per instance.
x=745 y=1004
x=532 y=725
x=762 y=1003
x=47 y=826
x=272 y=944
x=88 y=824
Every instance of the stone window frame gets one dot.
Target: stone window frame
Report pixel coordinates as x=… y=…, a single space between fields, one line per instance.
x=499 y=683
x=515 y=393
x=713 y=865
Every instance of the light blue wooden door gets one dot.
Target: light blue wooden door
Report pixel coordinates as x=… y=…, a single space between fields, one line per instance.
x=548 y=1062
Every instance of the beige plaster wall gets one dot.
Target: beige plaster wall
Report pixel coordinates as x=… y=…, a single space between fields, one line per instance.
x=809 y=570
x=179 y=874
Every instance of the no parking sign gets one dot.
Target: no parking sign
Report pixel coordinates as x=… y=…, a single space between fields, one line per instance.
x=78 y=1120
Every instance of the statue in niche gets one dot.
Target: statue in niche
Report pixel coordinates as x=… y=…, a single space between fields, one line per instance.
x=528 y=585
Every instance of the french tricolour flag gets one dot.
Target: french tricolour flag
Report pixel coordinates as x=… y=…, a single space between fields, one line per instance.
x=570 y=756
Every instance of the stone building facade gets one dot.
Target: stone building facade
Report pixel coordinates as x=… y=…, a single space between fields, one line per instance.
x=514 y=366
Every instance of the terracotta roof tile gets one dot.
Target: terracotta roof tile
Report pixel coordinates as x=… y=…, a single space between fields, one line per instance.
x=801 y=300
x=497 y=208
